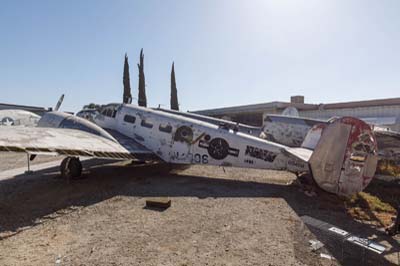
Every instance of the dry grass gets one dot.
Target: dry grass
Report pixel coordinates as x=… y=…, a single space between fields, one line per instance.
x=388 y=167
x=366 y=207
x=370 y=202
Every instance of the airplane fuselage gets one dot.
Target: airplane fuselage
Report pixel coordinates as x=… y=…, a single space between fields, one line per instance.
x=182 y=140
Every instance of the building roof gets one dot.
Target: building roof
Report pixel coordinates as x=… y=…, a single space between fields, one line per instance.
x=262 y=107
x=254 y=108
x=368 y=103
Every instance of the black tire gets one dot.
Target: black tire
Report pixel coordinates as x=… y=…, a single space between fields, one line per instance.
x=75 y=167
x=71 y=168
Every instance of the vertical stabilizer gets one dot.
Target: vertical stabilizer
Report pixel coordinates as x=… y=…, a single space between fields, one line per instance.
x=345 y=158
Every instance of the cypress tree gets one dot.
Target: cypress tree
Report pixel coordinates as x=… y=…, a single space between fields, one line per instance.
x=127 y=97
x=142 y=101
x=174 y=91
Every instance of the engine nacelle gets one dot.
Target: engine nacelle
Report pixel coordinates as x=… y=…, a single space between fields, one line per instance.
x=65 y=120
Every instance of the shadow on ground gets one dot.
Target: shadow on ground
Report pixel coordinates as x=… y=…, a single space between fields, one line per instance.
x=26 y=201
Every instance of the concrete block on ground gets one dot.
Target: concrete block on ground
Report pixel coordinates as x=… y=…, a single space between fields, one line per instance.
x=158 y=203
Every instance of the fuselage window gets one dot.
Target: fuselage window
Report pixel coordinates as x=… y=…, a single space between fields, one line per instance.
x=166 y=128
x=129 y=119
x=144 y=123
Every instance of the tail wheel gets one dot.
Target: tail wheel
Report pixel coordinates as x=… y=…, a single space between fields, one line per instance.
x=71 y=168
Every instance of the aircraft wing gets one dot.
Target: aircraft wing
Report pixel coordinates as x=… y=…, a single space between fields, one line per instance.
x=62 y=141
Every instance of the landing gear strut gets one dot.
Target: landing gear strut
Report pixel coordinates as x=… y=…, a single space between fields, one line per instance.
x=394 y=228
x=71 y=168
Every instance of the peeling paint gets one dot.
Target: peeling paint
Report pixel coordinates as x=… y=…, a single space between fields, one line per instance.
x=344 y=160
x=289 y=131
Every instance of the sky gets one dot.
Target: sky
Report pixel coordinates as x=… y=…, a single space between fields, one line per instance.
x=226 y=52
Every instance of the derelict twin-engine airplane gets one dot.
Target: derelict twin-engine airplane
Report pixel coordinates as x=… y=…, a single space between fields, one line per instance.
x=342 y=159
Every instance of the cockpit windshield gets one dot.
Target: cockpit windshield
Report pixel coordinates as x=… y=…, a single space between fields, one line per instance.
x=109 y=110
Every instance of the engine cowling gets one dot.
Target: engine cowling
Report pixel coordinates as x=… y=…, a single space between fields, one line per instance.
x=65 y=120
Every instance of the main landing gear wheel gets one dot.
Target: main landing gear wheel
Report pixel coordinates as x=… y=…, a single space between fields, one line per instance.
x=71 y=168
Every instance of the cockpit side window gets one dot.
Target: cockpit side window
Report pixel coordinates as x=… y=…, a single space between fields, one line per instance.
x=107 y=111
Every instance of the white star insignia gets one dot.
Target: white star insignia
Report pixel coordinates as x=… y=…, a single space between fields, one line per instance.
x=8 y=122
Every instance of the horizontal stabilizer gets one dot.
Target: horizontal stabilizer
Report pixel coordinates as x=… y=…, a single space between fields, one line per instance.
x=300 y=153
x=387 y=140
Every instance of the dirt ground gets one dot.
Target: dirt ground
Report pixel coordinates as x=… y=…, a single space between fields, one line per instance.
x=218 y=217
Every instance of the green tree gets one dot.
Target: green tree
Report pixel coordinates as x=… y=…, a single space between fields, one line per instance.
x=127 y=97
x=174 y=91
x=142 y=101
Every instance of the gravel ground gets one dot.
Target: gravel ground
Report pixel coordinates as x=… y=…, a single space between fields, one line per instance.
x=218 y=217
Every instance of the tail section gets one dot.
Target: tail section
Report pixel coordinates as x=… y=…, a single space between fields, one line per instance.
x=345 y=155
